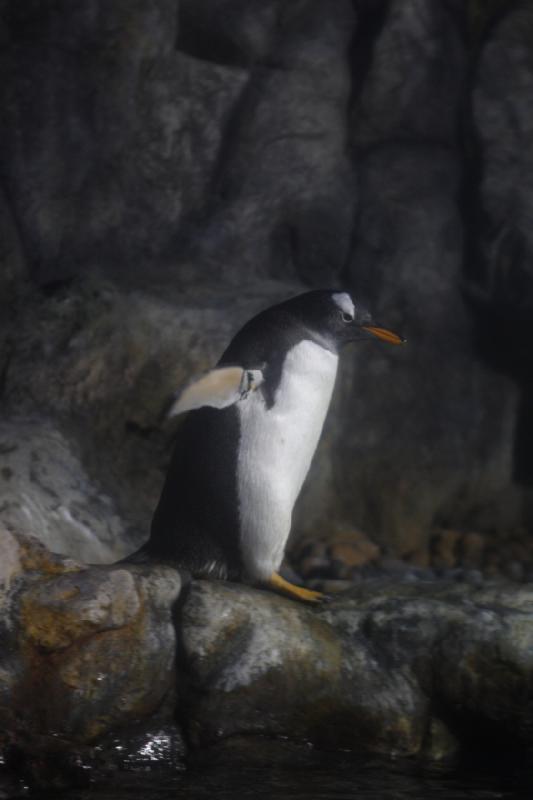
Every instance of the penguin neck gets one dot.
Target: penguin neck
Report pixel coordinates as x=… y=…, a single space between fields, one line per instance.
x=309 y=370
x=325 y=342
x=308 y=367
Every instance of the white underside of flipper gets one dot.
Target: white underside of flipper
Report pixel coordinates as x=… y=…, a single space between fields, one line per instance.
x=219 y=388
x=276 y=448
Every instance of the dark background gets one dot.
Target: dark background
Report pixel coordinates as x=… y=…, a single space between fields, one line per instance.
x=168 y=168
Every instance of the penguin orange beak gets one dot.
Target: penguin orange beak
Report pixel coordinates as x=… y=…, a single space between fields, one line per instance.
x=384 y=334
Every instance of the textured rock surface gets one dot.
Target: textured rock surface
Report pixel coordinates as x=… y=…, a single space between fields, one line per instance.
x=95 y=661
x=503 y=126
x=84 y=651
x=110 y=101
x=12 y=261
x=385 y=667
x=500 y=254
x=283 y=194
x=449 y=416
x=45 y=488
x=84 y=444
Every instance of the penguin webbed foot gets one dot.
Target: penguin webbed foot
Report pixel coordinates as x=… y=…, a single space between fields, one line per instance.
x=279 y=584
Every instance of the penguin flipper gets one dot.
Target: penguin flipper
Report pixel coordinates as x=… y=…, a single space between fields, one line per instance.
x=296 y=592
x=219 y=388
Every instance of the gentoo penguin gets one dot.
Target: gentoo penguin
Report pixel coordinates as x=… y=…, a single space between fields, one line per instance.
x=244 y=449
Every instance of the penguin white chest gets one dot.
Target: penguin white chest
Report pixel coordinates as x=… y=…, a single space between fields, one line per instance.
x=276 y=448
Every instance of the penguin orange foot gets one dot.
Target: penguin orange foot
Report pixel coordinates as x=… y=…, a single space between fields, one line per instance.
x=244 y=450
x=279 y=584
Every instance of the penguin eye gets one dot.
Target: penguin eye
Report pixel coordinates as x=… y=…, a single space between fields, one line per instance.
x=346 y=317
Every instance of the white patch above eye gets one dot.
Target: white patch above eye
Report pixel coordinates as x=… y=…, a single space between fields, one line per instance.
x=345 y=303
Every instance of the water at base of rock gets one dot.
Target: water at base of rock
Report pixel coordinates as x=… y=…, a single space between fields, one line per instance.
x=315 y=777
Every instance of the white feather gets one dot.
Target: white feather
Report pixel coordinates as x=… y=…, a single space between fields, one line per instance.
x=220 y=388
x=345 y=303
x=276 y=448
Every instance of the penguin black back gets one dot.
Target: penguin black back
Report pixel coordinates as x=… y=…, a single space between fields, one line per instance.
x=195 y=523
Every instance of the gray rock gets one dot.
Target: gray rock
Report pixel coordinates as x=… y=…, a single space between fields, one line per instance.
x=13 y=266
x=412 y=87
x=500 y=270
x=45 y=488
x=283 y=191
x=385 y=667
x=260 y=664
x=416 y=465
x=119 y=144
x=229 y=32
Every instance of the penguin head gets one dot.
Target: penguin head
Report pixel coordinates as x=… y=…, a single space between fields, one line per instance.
x=334 y=319
x=328 y=317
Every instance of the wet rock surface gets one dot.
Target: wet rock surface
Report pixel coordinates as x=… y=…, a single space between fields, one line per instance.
x=385 y=667
x=85 y=651
x=99 y=663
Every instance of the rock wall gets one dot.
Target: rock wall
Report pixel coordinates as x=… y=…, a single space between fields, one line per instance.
x=167 y=169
